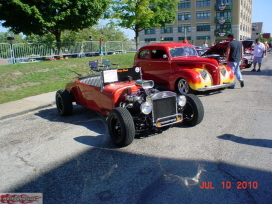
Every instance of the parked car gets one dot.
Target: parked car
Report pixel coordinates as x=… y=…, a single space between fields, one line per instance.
x=218 y=52
x=132 y=105
x=177 y=67
x=201 y=50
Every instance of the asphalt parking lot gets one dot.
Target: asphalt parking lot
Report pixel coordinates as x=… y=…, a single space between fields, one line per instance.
x=72 y=160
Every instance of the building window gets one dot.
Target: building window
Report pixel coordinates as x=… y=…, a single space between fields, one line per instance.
x=225 y=26
x=167 y=29
x=203 y=37
x=203 y=27
x=168 y=39
x=149 y=39
x=184 y=16
x=181 y=28
x=226 y=14
x=223 y=1
x=184 y=4
x=201 y=3
x=182 y=38
x=203 y=14
x=150 y=31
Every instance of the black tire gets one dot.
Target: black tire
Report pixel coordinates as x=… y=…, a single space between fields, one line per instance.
x=121 y=126
x=64 y=103
x=182 y=86
x=193 y=112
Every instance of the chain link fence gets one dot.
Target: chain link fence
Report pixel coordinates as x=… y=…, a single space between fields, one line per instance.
x=25 y=52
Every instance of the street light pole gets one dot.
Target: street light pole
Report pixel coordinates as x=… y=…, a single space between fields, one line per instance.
x=10 y=41
x=91 y=39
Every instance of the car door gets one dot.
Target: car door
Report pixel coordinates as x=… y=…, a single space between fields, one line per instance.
x=159 y=65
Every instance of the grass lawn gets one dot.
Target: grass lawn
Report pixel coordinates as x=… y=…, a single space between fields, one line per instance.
x=28 y=79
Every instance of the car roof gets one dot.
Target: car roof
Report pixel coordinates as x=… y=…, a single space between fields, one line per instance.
x=168 y=45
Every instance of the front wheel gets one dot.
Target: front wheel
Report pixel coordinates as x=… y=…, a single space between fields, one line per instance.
x=183 y=87
x=121 y=126
x=193 y=112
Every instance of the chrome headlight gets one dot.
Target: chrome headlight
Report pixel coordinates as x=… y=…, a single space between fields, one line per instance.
x=181 y=100
x=146 y=107
x=203 y=74
x=223 y=71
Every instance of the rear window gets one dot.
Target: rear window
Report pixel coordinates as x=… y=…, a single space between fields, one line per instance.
x=143 y=54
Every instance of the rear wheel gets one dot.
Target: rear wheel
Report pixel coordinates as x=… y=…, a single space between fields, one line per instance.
x=64 y=102
x=193 y=112
x=121 y=126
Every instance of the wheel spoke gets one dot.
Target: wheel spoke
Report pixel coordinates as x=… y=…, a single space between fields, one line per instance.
x=183 y=86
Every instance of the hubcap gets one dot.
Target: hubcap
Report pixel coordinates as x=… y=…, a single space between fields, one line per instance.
x=188 y=112
x=116 y=127
x=183 y=86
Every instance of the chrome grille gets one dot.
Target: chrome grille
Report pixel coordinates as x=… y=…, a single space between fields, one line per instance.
x=164 y=107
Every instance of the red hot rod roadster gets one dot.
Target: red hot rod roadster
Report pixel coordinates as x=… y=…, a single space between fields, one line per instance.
x=131 y=104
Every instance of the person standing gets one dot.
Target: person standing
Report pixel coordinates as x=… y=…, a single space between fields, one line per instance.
x=205 y=45
x=258 y=54
x=234 y=55
x=266 y=48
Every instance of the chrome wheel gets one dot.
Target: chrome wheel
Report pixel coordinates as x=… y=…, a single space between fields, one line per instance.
x=183 y=86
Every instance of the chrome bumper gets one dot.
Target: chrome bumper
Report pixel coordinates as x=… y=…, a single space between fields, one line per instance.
x=221 y=86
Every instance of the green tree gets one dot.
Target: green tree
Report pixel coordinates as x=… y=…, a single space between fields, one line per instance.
x=17 y=38
x=141 y=14
x=50 y=16
x=108 y=33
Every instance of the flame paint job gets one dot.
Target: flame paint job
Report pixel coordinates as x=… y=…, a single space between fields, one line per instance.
x=101 y=100
x=169 y=70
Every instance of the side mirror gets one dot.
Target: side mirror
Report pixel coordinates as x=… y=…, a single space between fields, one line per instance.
x=164 y=56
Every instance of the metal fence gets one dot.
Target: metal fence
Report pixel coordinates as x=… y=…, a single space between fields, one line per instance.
x=5 y=52
x=24 y=52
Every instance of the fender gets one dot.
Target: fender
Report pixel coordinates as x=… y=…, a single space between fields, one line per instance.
x=193 y=77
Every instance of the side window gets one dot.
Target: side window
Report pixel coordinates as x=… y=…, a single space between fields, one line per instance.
x=158 y=54
x=143 y=54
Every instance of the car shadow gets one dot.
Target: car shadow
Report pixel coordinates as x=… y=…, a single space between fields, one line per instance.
x=94 y=122
x=254 y=142
x=113 y=176
x=263 y=72
x=84 y=117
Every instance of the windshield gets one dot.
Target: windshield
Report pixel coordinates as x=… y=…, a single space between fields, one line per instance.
x=183 y=51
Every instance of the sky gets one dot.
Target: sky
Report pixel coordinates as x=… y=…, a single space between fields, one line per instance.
x=260 y=13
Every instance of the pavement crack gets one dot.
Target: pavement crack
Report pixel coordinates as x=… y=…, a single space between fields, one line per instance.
x=236 y=179
x=25 y=161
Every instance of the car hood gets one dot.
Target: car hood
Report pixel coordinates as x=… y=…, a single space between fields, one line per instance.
x=221 y=47
x=194 y=60
x=118 y=86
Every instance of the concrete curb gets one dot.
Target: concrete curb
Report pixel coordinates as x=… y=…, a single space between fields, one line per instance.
x=25 y=105
x=26 y=111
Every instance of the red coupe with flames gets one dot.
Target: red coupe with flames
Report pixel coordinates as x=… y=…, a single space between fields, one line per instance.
x=177 y=67
x=131 y=104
